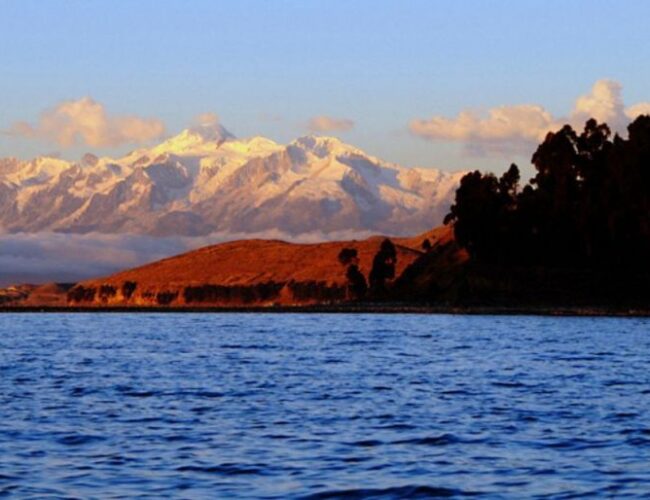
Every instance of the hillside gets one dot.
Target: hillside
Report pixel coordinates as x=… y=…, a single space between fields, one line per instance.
x=264 y=273
x=47 y=295
x=259 y=272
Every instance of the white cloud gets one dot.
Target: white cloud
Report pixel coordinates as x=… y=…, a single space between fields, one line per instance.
x=642 y=108
x=86 y=122
x=506 y=129
x=604 y=103
x=517 y=129
x=329 y=124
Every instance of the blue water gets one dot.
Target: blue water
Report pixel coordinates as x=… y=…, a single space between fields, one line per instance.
x=283 y=406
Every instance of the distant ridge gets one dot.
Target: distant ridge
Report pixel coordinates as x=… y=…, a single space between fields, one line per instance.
x=204 y=180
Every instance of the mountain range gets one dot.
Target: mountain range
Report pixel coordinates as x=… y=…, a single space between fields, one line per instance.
x=204 y=180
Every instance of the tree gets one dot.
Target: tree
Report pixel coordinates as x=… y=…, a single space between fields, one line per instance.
x=383 y=267
x=475 y=214
x=356 y=281
x=347 y=255
x=559 y=189
x=357 y=286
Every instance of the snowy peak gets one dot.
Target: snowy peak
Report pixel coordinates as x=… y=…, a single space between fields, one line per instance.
x=36 y=171
x=198 y=140
x=322 y=146
x=252 y=147
x=204 y=180
x=211 y=132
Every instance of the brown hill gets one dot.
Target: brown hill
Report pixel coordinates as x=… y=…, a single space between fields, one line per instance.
x=15 y=294
x=47 y=295
x=247 y=272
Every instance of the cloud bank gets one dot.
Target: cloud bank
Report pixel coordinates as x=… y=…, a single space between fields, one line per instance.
x=329 y=124
x=86 y=122
x=517 y=129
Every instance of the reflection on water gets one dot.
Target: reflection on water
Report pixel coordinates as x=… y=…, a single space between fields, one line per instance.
x=214 y=405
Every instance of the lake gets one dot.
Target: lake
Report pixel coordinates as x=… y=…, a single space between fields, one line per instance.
x=323 y=406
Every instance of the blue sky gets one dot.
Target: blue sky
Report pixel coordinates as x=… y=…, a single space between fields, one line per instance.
x=268 y=67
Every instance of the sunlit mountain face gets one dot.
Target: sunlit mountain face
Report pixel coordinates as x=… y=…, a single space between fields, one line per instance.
x=204 y=180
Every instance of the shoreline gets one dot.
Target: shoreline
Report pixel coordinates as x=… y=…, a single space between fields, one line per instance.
x=576 y=311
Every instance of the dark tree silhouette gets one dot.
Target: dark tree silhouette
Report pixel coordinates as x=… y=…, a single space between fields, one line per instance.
x=357 y=286
x=128 y=287
x=383 y=267
x=426 y=245
x=347 y=255
x=587 y=206
x=483 y=207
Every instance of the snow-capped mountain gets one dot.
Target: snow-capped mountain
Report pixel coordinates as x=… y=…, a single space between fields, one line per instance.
x=204 y=180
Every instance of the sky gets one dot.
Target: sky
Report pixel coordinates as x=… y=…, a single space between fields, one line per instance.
x=453 y=85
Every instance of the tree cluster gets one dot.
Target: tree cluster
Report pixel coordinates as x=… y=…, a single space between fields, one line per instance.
x=383 y=270
x=357 y=286
x=587 y=206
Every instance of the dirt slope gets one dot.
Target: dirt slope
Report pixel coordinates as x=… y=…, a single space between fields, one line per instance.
x=256 y=272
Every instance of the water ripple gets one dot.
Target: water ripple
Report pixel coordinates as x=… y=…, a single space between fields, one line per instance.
x=323 y=406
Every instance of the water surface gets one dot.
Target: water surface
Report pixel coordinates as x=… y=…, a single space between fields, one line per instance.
x=292 y=405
